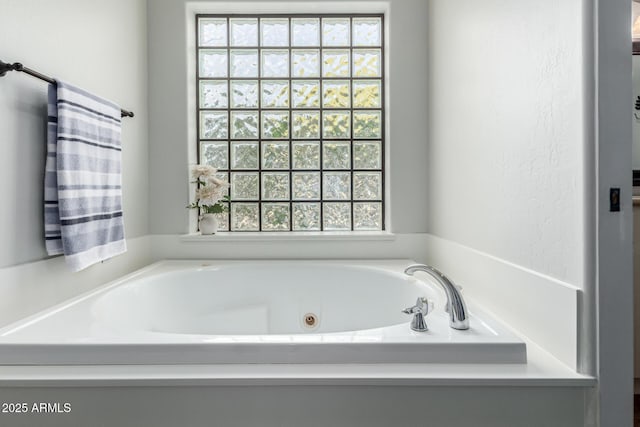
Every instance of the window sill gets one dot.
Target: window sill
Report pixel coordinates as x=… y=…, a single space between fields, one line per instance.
x=324 y=236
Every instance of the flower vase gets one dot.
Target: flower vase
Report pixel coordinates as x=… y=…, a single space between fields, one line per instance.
x=208 y=224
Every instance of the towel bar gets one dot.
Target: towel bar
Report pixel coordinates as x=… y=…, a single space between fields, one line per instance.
x=16 y=66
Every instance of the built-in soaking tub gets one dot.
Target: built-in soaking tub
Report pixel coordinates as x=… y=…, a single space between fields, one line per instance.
x=187 y=312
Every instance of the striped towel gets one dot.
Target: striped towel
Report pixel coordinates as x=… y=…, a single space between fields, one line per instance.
x=53 y=240
x=83 y=192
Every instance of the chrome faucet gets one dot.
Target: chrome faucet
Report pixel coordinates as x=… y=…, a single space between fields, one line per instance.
x=456 y=307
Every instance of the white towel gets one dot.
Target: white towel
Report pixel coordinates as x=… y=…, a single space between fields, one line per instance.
x=85 y=185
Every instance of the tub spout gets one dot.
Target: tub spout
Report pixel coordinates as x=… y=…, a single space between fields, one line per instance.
x=458 y=315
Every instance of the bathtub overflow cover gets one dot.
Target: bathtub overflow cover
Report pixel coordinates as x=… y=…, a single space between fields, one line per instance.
x=310 y=320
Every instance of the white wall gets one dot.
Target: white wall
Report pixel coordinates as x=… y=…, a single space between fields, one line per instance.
x=506 y=138
x=169 y=109
x=97 y=45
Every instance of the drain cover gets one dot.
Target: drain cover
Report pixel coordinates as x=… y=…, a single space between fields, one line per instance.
x=310 y=320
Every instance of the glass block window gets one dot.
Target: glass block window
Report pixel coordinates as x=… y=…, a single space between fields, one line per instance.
x=290 y=111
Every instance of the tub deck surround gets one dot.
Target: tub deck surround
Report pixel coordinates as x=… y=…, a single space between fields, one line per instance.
x=230 y=312
x=541 y=370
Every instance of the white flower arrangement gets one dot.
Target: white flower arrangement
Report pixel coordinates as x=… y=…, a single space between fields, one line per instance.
x=210 y=190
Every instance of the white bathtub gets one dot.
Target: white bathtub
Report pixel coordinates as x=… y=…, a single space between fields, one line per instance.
x=187 y=312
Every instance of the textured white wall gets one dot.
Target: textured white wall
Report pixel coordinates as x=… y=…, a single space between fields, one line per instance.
x=169 y=108
x=506 y=138
x=97 y=45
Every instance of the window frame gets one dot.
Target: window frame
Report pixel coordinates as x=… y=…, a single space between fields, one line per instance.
x=260 y=140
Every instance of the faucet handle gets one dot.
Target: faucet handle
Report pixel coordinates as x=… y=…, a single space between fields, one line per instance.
x=420 y=310
x=423 y=306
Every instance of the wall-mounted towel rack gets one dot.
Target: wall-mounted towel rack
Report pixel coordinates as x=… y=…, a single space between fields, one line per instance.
x=16 y=66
